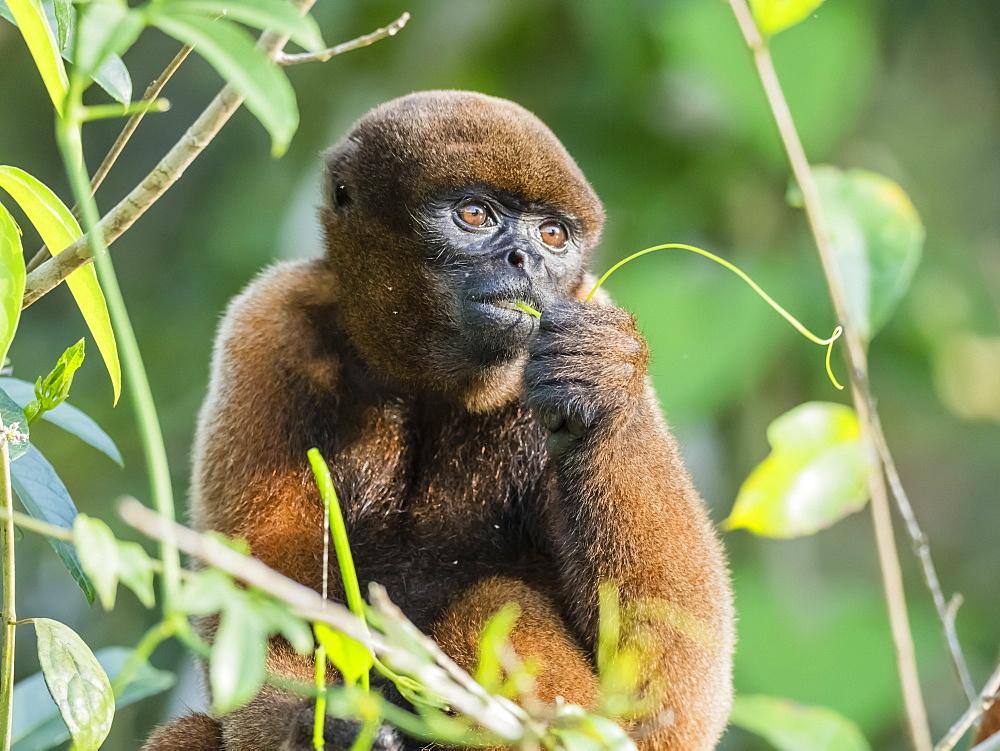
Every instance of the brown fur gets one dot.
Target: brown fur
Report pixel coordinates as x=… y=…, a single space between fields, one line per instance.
x=464 y=485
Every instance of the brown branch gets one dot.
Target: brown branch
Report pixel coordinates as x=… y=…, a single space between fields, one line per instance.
x=284 y=58
x=52 y=272
x=856 y=354
x=152 y=92
x=982 y=702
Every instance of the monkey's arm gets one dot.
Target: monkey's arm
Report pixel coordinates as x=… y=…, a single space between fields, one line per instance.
x=627 y=512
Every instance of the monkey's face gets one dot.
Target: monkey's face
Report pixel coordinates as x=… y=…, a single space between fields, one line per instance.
x=491 y=250
x=444 y=209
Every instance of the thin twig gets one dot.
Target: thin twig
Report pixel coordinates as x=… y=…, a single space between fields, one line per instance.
x=922 y=550
x=982 y=702
x=52 y=272
x=892 y=578
x=152 y=91
x=37 y=525
x=500 y=717
x=284 y=58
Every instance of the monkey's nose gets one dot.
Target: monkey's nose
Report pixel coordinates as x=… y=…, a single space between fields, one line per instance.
x=517 y=258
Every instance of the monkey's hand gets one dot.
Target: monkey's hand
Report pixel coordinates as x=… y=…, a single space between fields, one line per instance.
x=585 y=376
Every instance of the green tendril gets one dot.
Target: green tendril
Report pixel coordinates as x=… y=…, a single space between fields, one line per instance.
x=530 y=310
x=828 y=343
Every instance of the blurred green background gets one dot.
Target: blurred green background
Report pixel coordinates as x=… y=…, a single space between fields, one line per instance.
x=659 y=104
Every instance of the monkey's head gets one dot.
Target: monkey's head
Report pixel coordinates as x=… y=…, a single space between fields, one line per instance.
x=444 y=208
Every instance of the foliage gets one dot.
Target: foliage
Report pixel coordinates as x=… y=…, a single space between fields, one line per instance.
x=874 y=227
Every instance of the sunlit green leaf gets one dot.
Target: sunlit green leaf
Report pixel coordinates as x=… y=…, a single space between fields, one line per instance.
x=77 y=683
x=278 y=15
x=814 y=476
x=236 y=666
x=11 y=414
x=45 y=497
x=66 y=416
x=790 y=726
x=53 y=389
x=30 y=19
x=112 y=76
x=107 y=27
x=877 y=239
x=58 y=228
x=136 y=571
x=278 y=619
x=36 y=723
x=351 y=658
x=98 y=551
x=773 y=16
x=11 y=279
x=232 y=52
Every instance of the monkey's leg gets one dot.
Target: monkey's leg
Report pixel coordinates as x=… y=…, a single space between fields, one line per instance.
x=539 y=632
x=193 y=732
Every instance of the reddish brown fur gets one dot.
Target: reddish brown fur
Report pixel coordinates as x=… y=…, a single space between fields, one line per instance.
x=452 y=497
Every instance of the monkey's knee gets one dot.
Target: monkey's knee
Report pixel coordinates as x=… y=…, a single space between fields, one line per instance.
x=538 y=634
x=193 y=732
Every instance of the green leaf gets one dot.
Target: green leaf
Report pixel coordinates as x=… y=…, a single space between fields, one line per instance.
x=112 y=76
x=36 y=723
x=350 y=657
x=67 y=417
x=278 y=619
x=277 y=15
x=236 y=665
x=58 y=228
x=44 y=497
x=107 y=27
x=11 y=413
x=232 y=52
x=77 y=683
x=877 y=239
x=136 y=571
x=98 y=551
x=814 y=476
x=53 y=390
x=64 y=18
x=108 y=560
x=30 y=19
x=773 y=16
x=11 y=279
x=790 y=726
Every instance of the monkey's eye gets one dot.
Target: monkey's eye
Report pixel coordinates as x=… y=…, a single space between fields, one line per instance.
x=553 y=234
x=474 y=215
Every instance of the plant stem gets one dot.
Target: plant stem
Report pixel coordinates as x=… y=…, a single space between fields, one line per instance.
x=69 y=138
x=36 y=525
x=152 y=91
x=146 y=646
x=8 y=613
x=858 y=370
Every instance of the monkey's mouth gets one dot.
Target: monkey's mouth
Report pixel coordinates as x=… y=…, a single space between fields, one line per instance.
x=502 y=308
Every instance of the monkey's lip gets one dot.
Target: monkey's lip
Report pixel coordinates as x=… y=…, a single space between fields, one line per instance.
x=499 y=310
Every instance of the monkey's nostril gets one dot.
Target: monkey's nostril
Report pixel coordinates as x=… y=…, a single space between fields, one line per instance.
x=516 y=258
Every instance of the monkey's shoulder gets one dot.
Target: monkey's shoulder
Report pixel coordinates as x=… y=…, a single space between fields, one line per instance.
x=283 y=326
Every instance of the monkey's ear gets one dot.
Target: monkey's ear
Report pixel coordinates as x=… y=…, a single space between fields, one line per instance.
x=339 y=162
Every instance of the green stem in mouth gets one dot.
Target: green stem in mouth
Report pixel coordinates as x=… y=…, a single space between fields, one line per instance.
x=527 y=309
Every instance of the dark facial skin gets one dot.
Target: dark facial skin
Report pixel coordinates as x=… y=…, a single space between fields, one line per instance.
x=491 y=250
